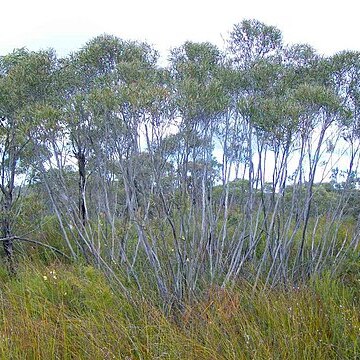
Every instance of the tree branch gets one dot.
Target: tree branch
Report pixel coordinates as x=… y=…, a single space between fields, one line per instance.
x=11 y=238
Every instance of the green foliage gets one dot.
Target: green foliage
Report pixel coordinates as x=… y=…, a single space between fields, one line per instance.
x=200 y=88
x=251 y=40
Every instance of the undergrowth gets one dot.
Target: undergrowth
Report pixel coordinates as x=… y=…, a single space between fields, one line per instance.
x=71 y=312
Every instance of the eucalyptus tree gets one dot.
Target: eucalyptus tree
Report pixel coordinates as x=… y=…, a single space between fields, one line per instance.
x=108 y=93
x=201 y=102
x=84 y=73
x=254 y=53
x=345 y=80
x=341 y=74
x=254 y=49
x=344 y=77
x=283 y=110
x=85 y=85
x=306 y=111
x=125 y=108
x=144 y=92
x=24 y=87
x=278 y=114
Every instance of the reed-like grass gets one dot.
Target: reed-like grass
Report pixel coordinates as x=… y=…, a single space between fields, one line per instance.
x=67 y=312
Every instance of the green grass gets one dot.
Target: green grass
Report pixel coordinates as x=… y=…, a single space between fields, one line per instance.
x=71 y=312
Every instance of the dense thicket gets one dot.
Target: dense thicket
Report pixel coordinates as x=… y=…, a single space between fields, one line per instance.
x=224 y=164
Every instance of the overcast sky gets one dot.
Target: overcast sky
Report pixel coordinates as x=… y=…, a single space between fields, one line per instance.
x=329 y=26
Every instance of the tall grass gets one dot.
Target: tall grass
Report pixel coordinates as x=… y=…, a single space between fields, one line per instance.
x=62 y=312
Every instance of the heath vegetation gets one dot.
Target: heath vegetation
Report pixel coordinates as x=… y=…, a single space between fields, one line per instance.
x=207 y=208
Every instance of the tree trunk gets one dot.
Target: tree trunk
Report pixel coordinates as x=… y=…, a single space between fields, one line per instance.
x=6 y=229
x=82 y=184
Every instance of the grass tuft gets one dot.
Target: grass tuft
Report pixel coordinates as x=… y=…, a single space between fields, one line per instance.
x=62 y=312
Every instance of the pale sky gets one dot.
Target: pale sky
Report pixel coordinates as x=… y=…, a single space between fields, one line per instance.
x=65 y=25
